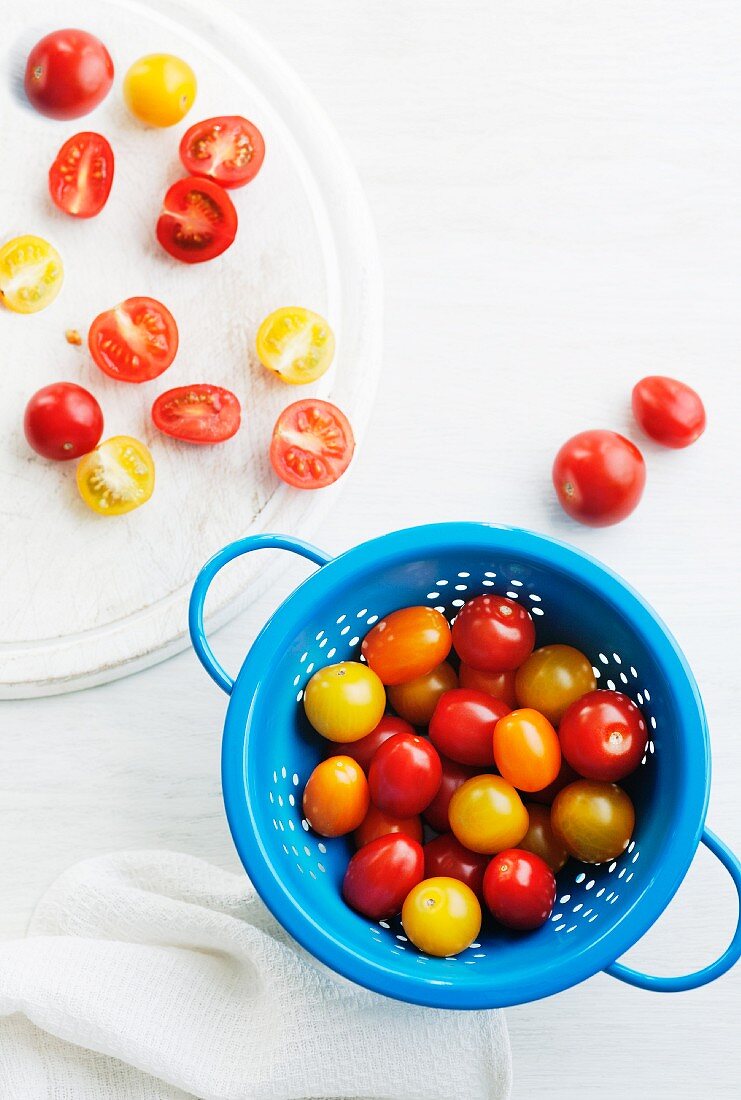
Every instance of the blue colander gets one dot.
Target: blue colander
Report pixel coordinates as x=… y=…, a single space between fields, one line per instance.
x=269 y=752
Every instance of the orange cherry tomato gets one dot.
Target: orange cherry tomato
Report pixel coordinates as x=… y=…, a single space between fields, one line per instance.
x=336 y=797
x=416 y=699
x=377 y=823
x=565 y=776
x=487 y=815
x=552 y=678
x=441 y=916
x=541 y=839
x=594 y=820
x=407 y=644
x=499 y=684
x=526 y=749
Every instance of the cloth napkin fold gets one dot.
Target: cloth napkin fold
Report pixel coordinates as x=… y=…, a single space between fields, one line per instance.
x=155 y=975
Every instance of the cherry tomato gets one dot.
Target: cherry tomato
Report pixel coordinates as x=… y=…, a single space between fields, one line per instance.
x=499 y=684
x=462 y=726
x=365 y=749
x=454 y=775
x=405 y=775
x=566 y=775
x=198 y=413
x=159 y=89
x=31 y=274
x=295 y=344
x=603 y=735
x=441 y=916
x=81 y=177
x=228 y=150
x=344 y=702
x=336 y=796
x=117 y=477
x=198 y=220
x=416 y=699
x=407 y=644
x=446 y=856
x=541 y=838
x=552 y=678
x=63 y=421
x=493 y=634
x=381 y=874
x=519 y=889
x=135 y=341
x=68 y=73
x=595 y=821
x=487 y=815
x=526 y=749
x=312 y=444
x=669 y=411
x=599 y=477
x=376 y=823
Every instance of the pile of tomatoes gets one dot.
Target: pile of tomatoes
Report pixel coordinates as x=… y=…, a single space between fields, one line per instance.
x=517 y=772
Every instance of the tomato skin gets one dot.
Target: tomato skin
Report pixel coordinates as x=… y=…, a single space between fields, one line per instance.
x=159 y=89
x=407 y=644
x=68 y=73
x=381 y=874
x=295 y=344
x=487 y=815
x=416 y=699
x=135 y=341
x=81 y=177
x=198 y=221
x=445 y=856
x=336 y=796
x=63 y=421
x=312 y=444
x=668 y=411
x=599 y=477
x=541 y=838
x=405 y=775
x=116 y=477
x=198 y=414
x=463 y=723
x=345 y=702
x=365 y=749
x=493 y=634
x=441 y=916
x=603 y=736
x=566 y=775
x=454 y=776
x=31 y=274
x=228 y=149
x=552 y=678
x=376 y=823
x=519 y=889
x=594 y=820
x=499 y=684
x=526 y=749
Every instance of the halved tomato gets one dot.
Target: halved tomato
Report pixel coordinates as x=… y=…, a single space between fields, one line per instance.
x=228 y=149
x=198 y=414
x=312 y=444
x=198 y=220
x=81 y=177
x=31 y=274
x=117 y=477
x=135 y=341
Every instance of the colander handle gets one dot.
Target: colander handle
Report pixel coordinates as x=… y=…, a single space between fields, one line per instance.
x=709 y=973
x=203 y=583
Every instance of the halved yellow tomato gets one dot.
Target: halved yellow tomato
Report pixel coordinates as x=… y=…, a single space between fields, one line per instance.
x=117 y=476
x=295 y=344
x=31 y=274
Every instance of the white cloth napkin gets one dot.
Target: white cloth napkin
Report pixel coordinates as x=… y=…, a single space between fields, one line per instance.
x=155 y=975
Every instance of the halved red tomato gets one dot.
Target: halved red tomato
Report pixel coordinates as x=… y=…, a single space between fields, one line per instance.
x=81 y=177
x=312 y=444
x=198 y=414
x=198 y=220
x=135 y=341
x=228 y=149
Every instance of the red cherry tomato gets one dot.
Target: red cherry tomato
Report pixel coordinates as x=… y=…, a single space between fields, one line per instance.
x=599 y=477
x=376 y=823
x=198 y=413
x=365 y=749
x=462 y=726
x=407 y=644
x=526 y=750
x=603 y=735
x=68 y=73
x=405 y=775
x=312 y=444
x=228 y=149
x=454 y=776
x=63 y=421
x=499 y=684
x=565 y=776
x=669 y=411
x=493 y=634
x=519 y=889
x=81 y=177
x=445 y=856
x=135 y=341
x=380 y=875
x=198 y=220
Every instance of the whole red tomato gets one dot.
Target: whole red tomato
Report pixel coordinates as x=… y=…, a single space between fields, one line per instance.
x=68 y=73
x=446 y=856
x=493 y=634
x=603 y=735
x=376 y=823
x=405 y=775
x=63 y=421
x=599 y=477
x=669 y=411
x=454 y=776
x=499 y=684
x=365 y=749
x=462 y=726
x=519 y=889
x=380 y=875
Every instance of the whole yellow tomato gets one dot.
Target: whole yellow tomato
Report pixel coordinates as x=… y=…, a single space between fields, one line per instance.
x=441 y=916
x=159 y=89
x=344 y=702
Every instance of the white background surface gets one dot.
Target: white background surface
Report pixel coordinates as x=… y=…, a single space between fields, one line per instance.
x=557 y=190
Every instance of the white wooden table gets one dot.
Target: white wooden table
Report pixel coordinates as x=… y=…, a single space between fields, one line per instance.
x=557 y=189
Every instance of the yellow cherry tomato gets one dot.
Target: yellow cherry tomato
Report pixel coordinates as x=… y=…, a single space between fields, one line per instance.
x=594 y=820
x=487 y=814
x=159 y=89
x=344 y=702
x=117 y=477
x=31 y=274
x=295 y=344
x=552 y=678
x=441 y=916
x=416 y=699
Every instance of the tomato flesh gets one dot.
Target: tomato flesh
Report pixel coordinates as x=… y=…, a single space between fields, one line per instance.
x=599 y=477
x=519 y=889
x=228 y=149
x=312 y=444
x=117 y=477
x=296 y=344
x=198 y=220
x=81 y=177
x=31 y=274
x=198 y=413
x=68 y=73
x=135 y=341
x=63 y=421
x=669 y=411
